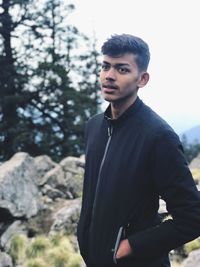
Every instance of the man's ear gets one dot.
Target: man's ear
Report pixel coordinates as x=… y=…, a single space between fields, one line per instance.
x=144 y=78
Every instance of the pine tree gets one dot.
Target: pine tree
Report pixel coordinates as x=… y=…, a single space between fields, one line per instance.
x=56 y=70
x=12 y=82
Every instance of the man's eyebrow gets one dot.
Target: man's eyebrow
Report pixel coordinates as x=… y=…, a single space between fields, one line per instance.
x=117 y=64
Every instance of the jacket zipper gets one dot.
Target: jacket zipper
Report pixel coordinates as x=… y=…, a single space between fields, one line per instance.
x=110 y=130
x=117 y=243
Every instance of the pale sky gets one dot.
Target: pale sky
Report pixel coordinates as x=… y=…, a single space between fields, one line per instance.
x=171 y=28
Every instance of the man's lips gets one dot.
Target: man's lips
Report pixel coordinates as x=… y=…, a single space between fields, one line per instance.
x=109 y=87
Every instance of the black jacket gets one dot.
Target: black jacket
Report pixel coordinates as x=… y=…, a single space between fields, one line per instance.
x=130 y=163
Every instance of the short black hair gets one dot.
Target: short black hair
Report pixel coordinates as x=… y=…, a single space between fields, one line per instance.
x=126 y=43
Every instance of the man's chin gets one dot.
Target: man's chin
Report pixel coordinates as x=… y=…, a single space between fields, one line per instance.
x=109 y=98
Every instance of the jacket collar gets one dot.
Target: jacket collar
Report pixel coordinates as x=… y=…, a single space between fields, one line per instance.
x=129 y=112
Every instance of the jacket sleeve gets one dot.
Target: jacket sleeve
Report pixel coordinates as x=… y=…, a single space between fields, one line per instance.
x=175 y=184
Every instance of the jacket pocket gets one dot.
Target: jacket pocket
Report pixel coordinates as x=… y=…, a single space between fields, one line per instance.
x=117 y=243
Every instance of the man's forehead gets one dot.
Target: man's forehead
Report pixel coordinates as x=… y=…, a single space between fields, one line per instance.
x=125 y=59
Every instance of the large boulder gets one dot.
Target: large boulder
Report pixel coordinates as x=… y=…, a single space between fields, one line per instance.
x=19 y=193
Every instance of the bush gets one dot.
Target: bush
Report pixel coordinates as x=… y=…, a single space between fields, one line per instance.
x=56 y=239
x=56 y=251
x=17 y=248
x=193 y=245
x=196 y=174
x=38 y=247
x=58 y=257
x=38 y=262
x=75 y=260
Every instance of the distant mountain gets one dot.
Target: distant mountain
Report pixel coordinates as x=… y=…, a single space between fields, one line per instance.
x=192 y=135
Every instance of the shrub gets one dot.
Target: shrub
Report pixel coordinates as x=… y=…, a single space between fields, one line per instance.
x=56 y=251
x=58 y=257
x=18 y=247
x=193 y=245
x=196 y=174
x=56 y=239
x=66 y=245
x=37 y=262
x=38 y=247
x=75 y=260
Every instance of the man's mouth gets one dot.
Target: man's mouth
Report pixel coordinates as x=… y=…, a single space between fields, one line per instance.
x=109 y=86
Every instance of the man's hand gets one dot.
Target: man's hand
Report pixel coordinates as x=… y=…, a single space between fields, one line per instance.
x=124 y=249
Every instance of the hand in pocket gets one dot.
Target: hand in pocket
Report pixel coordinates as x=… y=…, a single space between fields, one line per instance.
x=124 y=249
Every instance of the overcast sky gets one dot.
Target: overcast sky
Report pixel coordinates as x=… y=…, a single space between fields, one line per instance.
x=171 y=28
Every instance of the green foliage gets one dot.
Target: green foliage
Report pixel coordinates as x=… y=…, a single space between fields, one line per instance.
x=37 y=262
x=42 y=251
x=38 y=247
x=17 y=248
x=74 y=261
x=58 y=257
x=193 y=245
x=49 y=82
x=196 y=175
x=56 y=239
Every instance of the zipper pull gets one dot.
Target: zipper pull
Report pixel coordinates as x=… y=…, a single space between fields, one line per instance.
x=110 y=130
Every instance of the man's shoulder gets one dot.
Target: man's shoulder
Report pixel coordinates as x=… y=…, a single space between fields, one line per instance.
x=153 y=122
x=96 y=118
x=94 y=121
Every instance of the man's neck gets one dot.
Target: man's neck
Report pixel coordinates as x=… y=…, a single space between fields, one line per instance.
x=118 y=108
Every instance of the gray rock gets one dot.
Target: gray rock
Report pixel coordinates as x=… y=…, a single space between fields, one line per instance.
x=74 y=171
x=55 y=177
x=195 y=163
x=52 y=193
x=66 y=218
x=193 y=260
x=73 y=164
x=5 y=260
x=43 y=164
x=18 y=190
x=14 y=229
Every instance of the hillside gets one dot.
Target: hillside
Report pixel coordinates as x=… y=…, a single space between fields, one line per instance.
x=192 y=134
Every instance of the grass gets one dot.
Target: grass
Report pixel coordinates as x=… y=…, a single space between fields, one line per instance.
x=196 y=174
x=38 y=247
x=193 y=245
x=18 y=248
x=42 y=251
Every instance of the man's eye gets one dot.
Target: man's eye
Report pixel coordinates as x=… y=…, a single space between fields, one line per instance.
x=104 y=67
x=123 y=70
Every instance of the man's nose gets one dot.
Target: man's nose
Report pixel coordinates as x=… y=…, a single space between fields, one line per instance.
x=111 y=74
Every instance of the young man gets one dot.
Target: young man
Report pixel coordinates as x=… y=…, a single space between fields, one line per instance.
x=133 y=158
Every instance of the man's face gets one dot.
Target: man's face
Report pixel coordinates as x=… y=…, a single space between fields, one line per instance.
x=119 y=78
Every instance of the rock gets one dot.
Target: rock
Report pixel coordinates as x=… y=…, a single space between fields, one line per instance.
x=73 y=165
x=55 y=177
x=5 y=260
x=52 y=193
x=193 y=260
x=18 y=190
x=16 y=228
x=195 y=163
x=66 y=218
x=39 y=196
x=43 y=164
x=74 y=171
